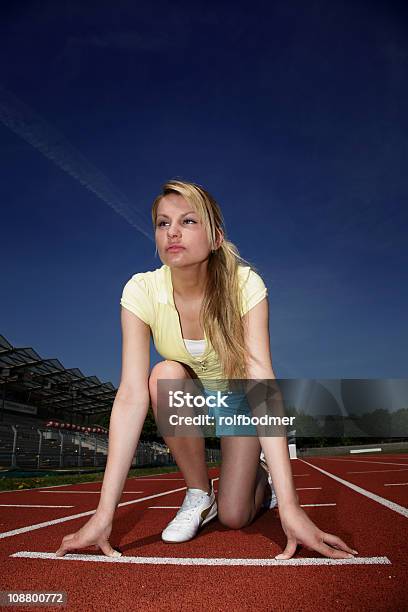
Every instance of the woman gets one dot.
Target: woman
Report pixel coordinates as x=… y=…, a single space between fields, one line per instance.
x=202 y=296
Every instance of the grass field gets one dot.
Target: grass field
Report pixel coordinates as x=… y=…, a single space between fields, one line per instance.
x=8 y=484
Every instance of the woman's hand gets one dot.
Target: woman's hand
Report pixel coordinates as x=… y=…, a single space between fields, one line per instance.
x=94 y=533
x=299 y=529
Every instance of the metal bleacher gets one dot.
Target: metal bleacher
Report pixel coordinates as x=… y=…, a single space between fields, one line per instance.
x=35 y=392
x=24 y=444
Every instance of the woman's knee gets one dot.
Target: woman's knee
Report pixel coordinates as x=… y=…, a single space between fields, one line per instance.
x=166 y=369
x=233 y=518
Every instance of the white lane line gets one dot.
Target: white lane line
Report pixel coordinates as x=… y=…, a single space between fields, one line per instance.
x=307 y=488
x=358 y=461
x=302 y=506
x=396 y=484
x=381 y=500
x=315 y=505
x=379 y=471
x=13 y=532
x=206 y=561
x=85 y=492
x=31 y=506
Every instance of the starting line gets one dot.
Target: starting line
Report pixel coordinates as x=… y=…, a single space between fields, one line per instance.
x=205 y=561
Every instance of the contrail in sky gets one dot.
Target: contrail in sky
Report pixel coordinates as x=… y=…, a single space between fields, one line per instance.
x=32 y=128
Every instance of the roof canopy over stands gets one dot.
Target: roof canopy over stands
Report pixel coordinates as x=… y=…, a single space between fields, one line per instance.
x=50 y=384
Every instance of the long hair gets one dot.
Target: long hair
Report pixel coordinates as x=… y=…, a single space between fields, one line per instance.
x=220 y=311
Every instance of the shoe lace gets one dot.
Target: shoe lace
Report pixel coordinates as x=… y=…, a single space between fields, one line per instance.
x=190 y=503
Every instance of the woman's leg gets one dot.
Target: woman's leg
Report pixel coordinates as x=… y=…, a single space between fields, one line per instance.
x=243 y=484
x=188 y=451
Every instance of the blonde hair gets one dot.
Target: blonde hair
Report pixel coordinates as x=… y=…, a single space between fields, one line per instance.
x=220 y=313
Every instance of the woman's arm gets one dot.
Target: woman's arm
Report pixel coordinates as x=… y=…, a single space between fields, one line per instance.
x=295 y=522
x=129 y=410
x=126 y=422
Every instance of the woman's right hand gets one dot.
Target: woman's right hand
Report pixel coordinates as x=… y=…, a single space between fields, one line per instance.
x=94 y=533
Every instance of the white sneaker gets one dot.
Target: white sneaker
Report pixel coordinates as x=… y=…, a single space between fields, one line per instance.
x=273 y=501
x=198 y=508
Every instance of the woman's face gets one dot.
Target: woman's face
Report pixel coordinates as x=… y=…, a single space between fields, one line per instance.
x=177 y=223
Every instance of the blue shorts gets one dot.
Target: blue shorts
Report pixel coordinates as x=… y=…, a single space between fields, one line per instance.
x=237 y=405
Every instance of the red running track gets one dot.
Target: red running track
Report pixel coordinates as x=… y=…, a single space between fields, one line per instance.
x=220 y=569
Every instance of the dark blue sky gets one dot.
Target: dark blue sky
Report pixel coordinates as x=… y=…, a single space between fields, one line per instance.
x=292 y=114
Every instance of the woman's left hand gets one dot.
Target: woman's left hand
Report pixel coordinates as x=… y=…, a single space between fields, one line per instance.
x=299 y=529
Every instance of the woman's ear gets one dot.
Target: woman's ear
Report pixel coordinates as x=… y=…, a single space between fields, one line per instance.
x=220 y=238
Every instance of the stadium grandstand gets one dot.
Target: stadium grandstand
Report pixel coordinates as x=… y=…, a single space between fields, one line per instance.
x=50 y=416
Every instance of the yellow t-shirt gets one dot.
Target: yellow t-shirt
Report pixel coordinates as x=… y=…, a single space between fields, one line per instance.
x=149 y=295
